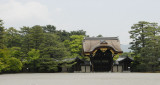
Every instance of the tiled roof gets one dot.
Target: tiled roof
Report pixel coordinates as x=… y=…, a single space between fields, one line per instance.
x=90 y=43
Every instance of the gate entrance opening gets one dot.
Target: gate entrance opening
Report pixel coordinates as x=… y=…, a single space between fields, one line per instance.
x=102 y=61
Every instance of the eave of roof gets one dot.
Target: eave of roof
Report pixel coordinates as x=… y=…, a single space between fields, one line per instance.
x=91 y=43
x=101 y=38
x=123 y=58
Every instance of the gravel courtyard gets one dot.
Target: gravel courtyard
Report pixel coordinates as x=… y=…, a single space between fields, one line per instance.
x=80 y=79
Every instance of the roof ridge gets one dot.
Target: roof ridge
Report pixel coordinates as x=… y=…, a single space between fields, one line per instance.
x=101 y=38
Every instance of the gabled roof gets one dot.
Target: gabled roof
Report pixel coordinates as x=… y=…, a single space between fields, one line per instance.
x=91 y=43
x=123 y=58
x=101 y=38
x=120 y=59
x=86 y=63
x=71 y=59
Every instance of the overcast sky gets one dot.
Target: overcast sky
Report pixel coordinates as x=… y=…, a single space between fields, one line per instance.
x=111 y=18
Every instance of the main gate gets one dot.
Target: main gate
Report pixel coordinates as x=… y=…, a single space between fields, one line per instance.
x=101 y=52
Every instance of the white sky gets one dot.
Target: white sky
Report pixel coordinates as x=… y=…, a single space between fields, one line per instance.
x=110 y=18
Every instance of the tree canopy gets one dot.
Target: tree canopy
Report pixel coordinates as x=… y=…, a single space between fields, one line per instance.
x=145 y=46
x=37 y=48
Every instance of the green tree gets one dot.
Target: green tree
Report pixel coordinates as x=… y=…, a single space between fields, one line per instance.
x=13 y=65
x=33 y=54
x=129 y=54
x=36 y=37
x=13 y=38
x=32 y=62
x=79 y=32
x=1 y=35
x=53 y=48
x=48 y=65
x=26 y=40
x=52 y=52
x=145 y=45
x=99 y=35
x=8 y=63
x=74 y=45
x=138 y=36
x=1 y=65
x=64 y=35
x=16 y=52
x=49 y=29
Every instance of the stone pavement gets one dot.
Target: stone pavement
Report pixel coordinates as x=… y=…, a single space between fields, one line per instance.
x=80 y=79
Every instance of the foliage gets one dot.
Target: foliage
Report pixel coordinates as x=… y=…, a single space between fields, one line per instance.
x=145 y=46
x=8 y=63
x=74 y=45
x=32 y=61
x=16 y=52
x=49 y=29
x=129 y=54
x=33 y=54
x=115 y=57
x=12 y=38
x=36 y=37
x=79 y=32
x=38 y=48
x=1 y=35
x=53 y=48
x=1 y=65
x=48 y=65
x=13 y=65
x=99 y=35
x=26 y=39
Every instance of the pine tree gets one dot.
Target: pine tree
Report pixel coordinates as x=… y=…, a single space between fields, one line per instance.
x=36 y=37
x=145 y=45
x=13 y=38
x=1 y=35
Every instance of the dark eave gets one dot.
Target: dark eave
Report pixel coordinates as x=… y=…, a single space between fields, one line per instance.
x=101 y=38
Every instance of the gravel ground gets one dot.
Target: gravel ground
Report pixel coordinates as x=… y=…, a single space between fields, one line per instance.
x=80 y=79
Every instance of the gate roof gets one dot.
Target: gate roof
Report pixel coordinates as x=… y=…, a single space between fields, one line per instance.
x=91 y=43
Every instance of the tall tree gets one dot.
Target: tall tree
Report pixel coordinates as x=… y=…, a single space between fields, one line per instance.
x=64 y=35
x=74 y=45
x=53 y=47
x=49 y=29
x=26 y=39
x=145 y=45
x=13 y=38
x=138 y=35
x=79 y=32
x=1 y=35
x=36 y=37
x=52 y=51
